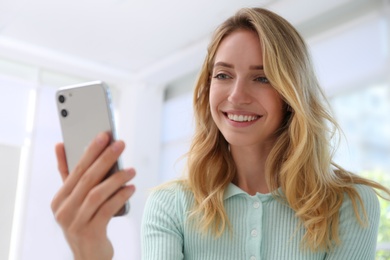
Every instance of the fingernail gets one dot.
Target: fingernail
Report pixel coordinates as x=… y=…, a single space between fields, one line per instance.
x=117 y=146
x=101 y=139
x=129 y=172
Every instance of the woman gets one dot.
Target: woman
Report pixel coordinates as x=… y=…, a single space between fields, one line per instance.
x=261 y=183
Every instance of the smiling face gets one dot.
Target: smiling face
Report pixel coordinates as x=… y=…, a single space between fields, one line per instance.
x=244 y=106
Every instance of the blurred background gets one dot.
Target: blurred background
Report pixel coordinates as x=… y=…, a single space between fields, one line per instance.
x=149 y=52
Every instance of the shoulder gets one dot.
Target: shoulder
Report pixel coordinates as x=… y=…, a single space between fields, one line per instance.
x=170 y=190
x=358 y=224
x=173 y=195
x=366 y=204
x=166 y=209
x=367 y=195
x=162 y=227
x=366 y=192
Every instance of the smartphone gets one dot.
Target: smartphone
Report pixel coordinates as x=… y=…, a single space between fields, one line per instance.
x=84 y=111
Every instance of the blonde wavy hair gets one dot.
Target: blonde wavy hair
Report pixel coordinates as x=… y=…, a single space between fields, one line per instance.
x=301 y=159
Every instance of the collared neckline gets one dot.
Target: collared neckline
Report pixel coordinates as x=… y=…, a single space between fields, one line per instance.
x=233 y=190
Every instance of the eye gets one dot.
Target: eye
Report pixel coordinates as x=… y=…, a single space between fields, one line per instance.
x=262 y=80
x=222 y=76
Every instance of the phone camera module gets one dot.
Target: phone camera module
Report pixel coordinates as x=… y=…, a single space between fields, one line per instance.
x=64 y=112
x=61 y=98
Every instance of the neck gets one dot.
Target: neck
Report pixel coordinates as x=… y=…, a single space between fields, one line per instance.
x=250 y=163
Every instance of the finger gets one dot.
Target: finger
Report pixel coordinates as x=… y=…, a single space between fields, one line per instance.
x=100 y=194
x=61 y=161
x=93 y=151
x=98 y=171
x=63 y=169
x=112 y=206
x=71 y=180
x=68 y=215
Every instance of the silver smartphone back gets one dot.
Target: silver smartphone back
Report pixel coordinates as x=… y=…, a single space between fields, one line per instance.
x=85 y=111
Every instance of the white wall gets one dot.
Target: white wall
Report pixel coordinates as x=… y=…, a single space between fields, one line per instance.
x=9 y=165
x=13 y=127
x=352 y=53
x=351 y=58
x=177 y=130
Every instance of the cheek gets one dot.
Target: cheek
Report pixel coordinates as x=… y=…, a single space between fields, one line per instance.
x=274 y=104
x=214 y=101
x=213 y=106
x=213 y=98
x=279 y=111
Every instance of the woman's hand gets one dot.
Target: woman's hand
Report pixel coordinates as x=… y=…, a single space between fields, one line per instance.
x=87 y=201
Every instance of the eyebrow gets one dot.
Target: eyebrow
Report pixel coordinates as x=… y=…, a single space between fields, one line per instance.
x=228 y=65
x=256 y=67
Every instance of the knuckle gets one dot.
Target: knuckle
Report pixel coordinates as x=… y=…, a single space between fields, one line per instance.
x=79 y=168
x=86 y=179
x=95 y=197
x=61 y=216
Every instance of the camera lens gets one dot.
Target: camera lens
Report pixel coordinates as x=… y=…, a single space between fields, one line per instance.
x=61 y=98
x=64 y=113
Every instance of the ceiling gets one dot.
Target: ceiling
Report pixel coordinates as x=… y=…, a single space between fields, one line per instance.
x=126 y=40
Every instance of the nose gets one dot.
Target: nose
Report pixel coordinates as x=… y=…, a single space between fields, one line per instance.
x=239 y=92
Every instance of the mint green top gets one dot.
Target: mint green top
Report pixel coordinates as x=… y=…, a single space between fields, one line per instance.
x=262 y=228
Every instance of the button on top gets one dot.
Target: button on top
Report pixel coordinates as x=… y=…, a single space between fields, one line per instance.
x=254 y=233
x=253 y=258
x=256 y=205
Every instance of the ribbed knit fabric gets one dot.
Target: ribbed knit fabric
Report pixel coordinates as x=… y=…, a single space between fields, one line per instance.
x=262 y=228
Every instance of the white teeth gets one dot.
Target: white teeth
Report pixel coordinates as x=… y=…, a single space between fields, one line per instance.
x=241 y=118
